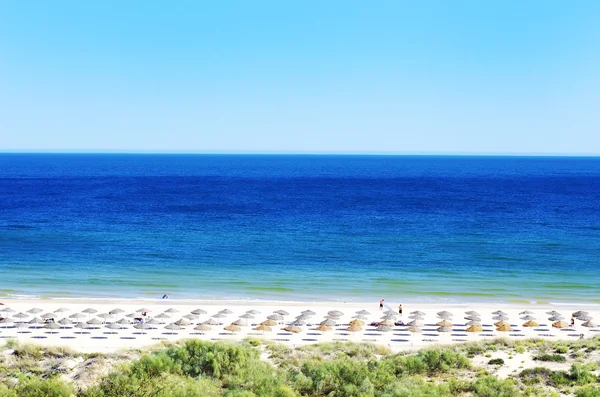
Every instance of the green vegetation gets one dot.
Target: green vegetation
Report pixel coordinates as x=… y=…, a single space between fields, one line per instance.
x=254 y=368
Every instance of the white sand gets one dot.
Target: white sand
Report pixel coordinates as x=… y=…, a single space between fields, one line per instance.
x=98 y=340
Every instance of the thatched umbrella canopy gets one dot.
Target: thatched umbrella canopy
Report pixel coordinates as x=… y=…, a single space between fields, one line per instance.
x=174 y=327
x=526 y=313
x=89 y=310
x=530 y=323
x=143 y=310
x=65 y=321
x=116 y=311
x=363 y=312
x=240 y=322
x=202 y=327
x=553 y=313
x=183 y=322
x=560 y=324
x=254 y=312
x=48 y=315
x=360 y=317
x=328 y=322
x=417 y=323
x=413 y=329
x=357 y=322
x=444 y=329
x=131 y=315
x=292 y=328
x=418 y=313
x=263 y=328
x=94 y=321
x=472 y=313
x=472 y=322
x=35 y=310
x=226 y=311
x=281 y=312
x=473 y=318
x=52 y=326
x=504 y=328
x=61 y=310
x=501 y=323
x=589 y=324
x=211 y=321
x=388 y=317
x=123 y=321
x=219 y=315
x=556 y=318
x=276 y=317
x=331 y=317
x=383 y=328
x=232 y=328
x=191 y=316
x=154 y=321
x=335 y=313
x=35 y=320
x=499 y=313
x=113 y=326
x=444 y=323
x=171 y=311
x=354 y=328
x=162 y=316
x=474 y=328
x=104 y=315
x=269 y=323
x=528 y=318
x=444 y=313
x=584 y=318
x=323 y=328
x=386 y=323
x=500 y=317
x=21 y=315
x=309 y=312
x=77 y=316
x=198 y=312
x=298 y=322
x=580 y=313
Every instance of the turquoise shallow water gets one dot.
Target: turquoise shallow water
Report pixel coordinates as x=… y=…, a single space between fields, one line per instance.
x=349 y=228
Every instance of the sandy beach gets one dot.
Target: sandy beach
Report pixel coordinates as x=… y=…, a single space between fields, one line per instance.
x=104 y=337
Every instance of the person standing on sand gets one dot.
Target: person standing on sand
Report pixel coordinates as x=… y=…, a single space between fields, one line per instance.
x=165 y=296
x=381 y=304
x=400 y=309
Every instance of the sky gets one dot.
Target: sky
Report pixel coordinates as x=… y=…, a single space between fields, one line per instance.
x=415 y=77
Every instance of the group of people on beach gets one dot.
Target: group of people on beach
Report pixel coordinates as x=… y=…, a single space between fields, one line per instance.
x=382 y=302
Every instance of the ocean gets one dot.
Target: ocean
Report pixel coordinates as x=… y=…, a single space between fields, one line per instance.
x=300 y=228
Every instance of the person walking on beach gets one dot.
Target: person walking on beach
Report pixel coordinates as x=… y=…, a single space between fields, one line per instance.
x=572 y=322
x=400 y=309
x=165 y=296
x=381 y=304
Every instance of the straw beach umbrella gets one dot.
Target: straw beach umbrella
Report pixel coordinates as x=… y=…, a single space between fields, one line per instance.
x=501 y=323
x=171 y=311
x=589 y=324
x=191 y=316
x=444 y=323
x=354 y=328
x=560 y=324
x=275 y=317
x=240 y=322
x=254 y=312
x=472 y=322
x=553 y=313
x=47 y=315
x=386 y=323
x=162 y=316
x=35 y=321
x=232 y=328
x=530 y=324
x=363 y=313
x=77 y=316
x=309 y=312
x=444 y=313
x=444 y=329
x=499 y=313
x=360 y=317
x=504 y=328
x=263 y=328
x=202 y=327
x=183 y=322
x=123 y=321
x=226 y=311
x=323 y=328
x=199 y=312
x=293 y=329
x=500 y=317
x=360 y=323
x=173 y=327
x=336 y=313
x=580 y=313
x=269 y=323
x=65 y=321
x=61 y=310
x=413 y=329
x=528 y=318
x=474 y=328
x=526 y=313
x=281 y=312
x=328 y=322
x=20 y=315
x=211 y=321
x=472 y=313
x=35 y=310
x=116 y=311
x=89 y=311
x=473 y=318
x=417 y=323
x=383 y=328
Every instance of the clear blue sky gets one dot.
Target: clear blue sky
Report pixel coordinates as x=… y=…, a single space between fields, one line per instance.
x=493 y=76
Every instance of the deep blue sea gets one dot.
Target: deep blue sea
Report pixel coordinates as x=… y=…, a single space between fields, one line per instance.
x=343 y=228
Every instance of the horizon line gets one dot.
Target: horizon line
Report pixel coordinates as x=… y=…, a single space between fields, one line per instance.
x=290 y=153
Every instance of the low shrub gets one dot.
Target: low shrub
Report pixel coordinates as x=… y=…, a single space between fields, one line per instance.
x=557 y=358
x=496 y=361
x=490 y=386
